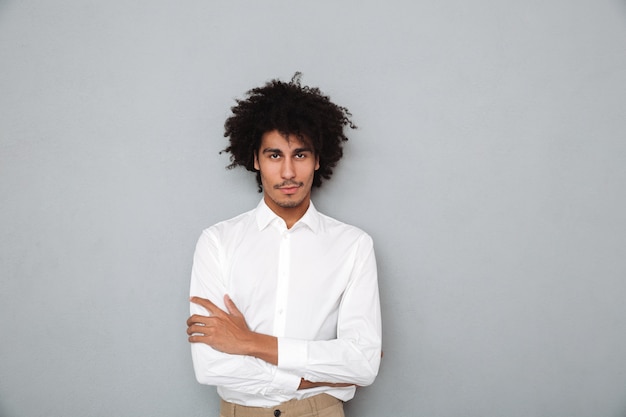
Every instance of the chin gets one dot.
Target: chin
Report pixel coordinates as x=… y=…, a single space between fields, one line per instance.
x=288 y=204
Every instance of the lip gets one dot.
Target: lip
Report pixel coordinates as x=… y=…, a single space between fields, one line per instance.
x=289 y=190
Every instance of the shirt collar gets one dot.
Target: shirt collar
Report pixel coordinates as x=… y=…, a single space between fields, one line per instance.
x=265 y=216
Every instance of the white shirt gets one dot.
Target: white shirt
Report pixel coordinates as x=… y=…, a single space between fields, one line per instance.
x=313 y=286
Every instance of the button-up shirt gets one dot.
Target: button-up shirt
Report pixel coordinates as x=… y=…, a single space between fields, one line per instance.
x=313 y=286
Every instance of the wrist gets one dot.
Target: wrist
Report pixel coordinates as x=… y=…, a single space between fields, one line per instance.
x=262 y=346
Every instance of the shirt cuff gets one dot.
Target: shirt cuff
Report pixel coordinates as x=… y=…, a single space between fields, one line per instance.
x=292 y=354
x=283 y=383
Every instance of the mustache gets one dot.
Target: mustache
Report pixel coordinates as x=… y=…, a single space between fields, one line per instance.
x=289 y=183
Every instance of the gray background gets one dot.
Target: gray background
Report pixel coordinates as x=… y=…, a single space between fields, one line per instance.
x=489 y=167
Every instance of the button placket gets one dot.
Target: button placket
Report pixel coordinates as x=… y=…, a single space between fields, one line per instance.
x=282 y=285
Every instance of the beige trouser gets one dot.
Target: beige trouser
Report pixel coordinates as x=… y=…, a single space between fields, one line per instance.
x=322 y=405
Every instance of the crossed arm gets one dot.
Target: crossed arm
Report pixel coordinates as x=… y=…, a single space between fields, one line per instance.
x=228 y=332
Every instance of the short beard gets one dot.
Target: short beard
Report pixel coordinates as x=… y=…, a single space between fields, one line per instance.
x=288 y=204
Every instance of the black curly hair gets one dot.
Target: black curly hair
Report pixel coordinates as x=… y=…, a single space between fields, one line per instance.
x=291 y=109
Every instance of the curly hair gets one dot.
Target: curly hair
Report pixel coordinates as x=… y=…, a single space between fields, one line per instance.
x=291 y=109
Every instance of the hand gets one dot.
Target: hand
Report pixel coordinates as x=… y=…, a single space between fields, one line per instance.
x=228 y=332
x=223 y=331
x=305 y=384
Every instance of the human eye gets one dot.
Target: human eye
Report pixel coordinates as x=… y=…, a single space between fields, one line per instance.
x=300 y=155
x=274 y=155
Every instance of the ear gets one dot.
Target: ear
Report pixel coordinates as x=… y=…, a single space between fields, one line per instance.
x=317 y=162
x=256 y=162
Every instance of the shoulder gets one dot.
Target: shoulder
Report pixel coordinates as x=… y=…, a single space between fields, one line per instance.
x=339 y=229
x=230 y=226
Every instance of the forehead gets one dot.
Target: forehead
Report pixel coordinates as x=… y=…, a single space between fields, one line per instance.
x=285 y=142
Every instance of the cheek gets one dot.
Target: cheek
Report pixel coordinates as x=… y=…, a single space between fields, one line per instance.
x=310 y=173
x=269 y=176
x=263 y=178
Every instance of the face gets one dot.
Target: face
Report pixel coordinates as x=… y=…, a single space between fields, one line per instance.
x=287 y=166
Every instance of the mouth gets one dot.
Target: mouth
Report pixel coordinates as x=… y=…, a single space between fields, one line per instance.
x=292 y=189
x=289 y=187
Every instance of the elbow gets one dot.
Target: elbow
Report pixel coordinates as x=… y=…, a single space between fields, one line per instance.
x=202 y=366
x=374 y=366
x=367 y=378
x=368 y=371
x=202 y=378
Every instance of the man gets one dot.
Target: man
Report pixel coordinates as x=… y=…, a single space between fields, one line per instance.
x=284 y=300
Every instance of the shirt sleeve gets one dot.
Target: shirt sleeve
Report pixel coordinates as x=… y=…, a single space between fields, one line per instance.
x=211 y=367
x=354 y=357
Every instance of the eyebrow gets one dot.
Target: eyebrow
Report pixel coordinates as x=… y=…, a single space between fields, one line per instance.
x=295 y=151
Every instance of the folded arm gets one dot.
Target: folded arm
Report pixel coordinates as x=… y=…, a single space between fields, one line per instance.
x=227 y=353
x=227 y=332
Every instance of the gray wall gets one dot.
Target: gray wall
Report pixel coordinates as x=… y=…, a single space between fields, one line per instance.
x=490 y=168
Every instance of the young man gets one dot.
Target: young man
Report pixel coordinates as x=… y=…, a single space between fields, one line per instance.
x=284 y=300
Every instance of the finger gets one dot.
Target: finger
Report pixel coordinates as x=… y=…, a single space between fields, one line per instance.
x=198 y=319
x=193 y=330
x=194 y=319
x=210 y=307
x=199 y=329
x=197 y=339
x=232 y=308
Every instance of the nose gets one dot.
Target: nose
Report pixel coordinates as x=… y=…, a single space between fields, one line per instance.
x=287 y=169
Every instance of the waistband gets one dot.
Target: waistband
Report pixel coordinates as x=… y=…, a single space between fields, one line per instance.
x=291 y=408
